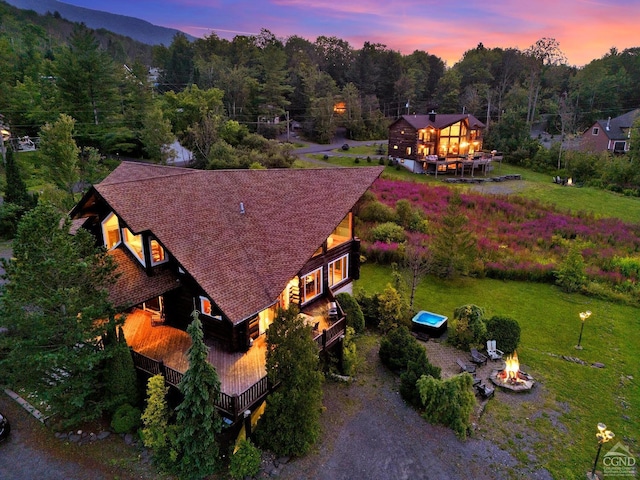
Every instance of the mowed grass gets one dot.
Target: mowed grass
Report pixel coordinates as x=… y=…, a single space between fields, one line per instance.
x=559 y=426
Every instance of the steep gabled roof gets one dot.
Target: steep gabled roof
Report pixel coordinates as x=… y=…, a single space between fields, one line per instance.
x=441 y=120
x=618 y=126
x=241 y=234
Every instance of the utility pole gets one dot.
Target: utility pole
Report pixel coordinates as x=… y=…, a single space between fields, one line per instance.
x=287 y=126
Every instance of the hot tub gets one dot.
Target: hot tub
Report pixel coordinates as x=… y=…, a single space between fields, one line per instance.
x=430 y=323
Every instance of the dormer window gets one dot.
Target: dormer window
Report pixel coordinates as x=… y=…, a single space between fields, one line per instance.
x=111 y=231
x=158 y=254
x=134 y=244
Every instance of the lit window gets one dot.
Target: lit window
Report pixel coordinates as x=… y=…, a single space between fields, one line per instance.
x=395 y=147
x=158 y=254
x=205 y=306
x=312 y=285
x=408 y=150
x=341 y=234
x=338 y=270
x=111 y=231
x=134 y=244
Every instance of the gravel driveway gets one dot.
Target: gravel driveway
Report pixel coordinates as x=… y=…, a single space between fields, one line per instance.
x=370 y=433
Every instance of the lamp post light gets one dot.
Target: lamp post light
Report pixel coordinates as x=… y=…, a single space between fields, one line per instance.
x=583 y=317
x=603 y=436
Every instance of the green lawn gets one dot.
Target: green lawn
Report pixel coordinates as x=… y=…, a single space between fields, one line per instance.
x=561 y=431
x=369 y=149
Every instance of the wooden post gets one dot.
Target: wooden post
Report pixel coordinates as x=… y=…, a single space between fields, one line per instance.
x=247 y=423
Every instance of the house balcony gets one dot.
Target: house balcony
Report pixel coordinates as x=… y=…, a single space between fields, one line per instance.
x=243 y=375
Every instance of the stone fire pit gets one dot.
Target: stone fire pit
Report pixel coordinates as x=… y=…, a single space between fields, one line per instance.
x=511 y=378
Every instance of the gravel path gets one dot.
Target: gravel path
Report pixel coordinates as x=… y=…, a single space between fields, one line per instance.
x=370 y=433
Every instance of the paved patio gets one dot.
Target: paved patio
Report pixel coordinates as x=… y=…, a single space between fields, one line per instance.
x=445 y=356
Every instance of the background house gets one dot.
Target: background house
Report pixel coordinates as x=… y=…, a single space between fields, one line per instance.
x=611 y=135
x=419 y=142
x=236 y=245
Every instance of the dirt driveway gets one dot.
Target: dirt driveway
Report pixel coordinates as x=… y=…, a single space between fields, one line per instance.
x=370 y=433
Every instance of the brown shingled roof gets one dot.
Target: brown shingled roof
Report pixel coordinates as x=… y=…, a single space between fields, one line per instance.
x=130 y=274
x=242 y=260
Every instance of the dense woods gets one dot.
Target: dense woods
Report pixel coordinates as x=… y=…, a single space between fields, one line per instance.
x=215 y=95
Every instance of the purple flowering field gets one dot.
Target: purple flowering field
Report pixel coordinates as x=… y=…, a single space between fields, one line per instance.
x=521 y=238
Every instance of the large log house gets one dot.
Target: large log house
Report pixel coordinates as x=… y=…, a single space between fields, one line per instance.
x=236 y=244
x=437 y=143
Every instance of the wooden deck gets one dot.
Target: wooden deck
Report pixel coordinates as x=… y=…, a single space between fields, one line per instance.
x=237 y=371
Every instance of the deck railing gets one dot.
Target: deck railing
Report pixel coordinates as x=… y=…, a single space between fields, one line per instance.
x=231 y=405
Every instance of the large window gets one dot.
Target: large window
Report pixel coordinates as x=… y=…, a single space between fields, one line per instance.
x=341 y=234
x=338 y=270
x=312 y=285
x=111 y=231
x=134 y=244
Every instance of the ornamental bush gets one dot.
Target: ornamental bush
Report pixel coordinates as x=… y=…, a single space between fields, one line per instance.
x=467 y=327
x=505 y=331
x=416 y=368
x=448 y=402
x=245 y=462
x=398 y=348
x=388 y=232
x=352 y=310
x=126 y=419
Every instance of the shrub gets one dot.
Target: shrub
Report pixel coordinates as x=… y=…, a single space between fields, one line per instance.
x=325 y=157
x=505 y=331
x=397 y=348
x=448 y=402
x=369 y=305
x=349 y=353
x=10 y=215
x=357 y=160
x=126 y=419
x=388 y=232
x=393 y=310
x=570 y=275
x=368 y=159
x=381 y=161
x=376 y=212
x=416 y=368
x=468 y=327
x=245 y=462
x=352 y=310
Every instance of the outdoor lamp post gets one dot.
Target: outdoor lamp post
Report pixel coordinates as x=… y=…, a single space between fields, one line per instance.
x=603 y=436
x=583 y=317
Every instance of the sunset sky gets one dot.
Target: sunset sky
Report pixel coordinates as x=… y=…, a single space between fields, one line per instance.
x=585 y=29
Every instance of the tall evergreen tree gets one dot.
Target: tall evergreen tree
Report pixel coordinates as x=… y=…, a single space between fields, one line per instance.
x=454 y=246
x=87 y=79
x=56 y=292
x=16 y=191
x=197 y=418
x=291 y=422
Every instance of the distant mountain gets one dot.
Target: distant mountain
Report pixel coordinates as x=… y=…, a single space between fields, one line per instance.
x=135 y=28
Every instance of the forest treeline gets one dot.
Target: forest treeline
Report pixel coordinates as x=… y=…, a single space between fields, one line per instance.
x=215 y=95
